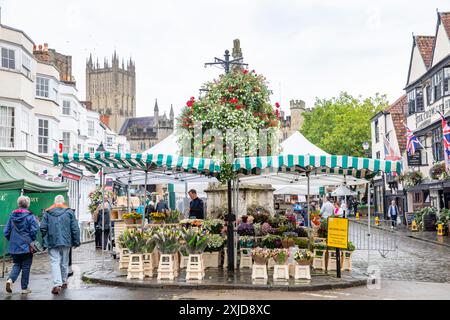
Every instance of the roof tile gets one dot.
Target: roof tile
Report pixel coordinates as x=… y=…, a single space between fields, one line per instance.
x=397 y=111
x=445 y=19
x=425 y=45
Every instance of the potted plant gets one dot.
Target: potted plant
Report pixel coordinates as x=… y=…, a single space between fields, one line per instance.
x=167 y=240
x=211 y=254
x=302 y=243
x=303 y=257
x=437 y=171
x=157 y=217
x=246 y=241
x=411 y=178
x=131 y=218
x=172 y=217
x=429 y=219
x=280 y=256
x=319 y=259
x=271 y=241
x=214 y=226
x=261 y=255
x=288 y=239
x=347 y=256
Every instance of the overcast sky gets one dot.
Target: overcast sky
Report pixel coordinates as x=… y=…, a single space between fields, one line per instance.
x=306 y=49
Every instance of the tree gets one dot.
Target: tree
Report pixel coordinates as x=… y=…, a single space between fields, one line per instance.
x=341 y=125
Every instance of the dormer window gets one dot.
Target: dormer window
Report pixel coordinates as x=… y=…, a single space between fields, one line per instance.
x=436 y=83
x=415 y=100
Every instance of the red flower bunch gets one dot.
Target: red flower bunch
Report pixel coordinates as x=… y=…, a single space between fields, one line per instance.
x=238 y=107
x=277 y=104
x=190 y=103
x=245 y=71
x=233 y=100
x=277 y=112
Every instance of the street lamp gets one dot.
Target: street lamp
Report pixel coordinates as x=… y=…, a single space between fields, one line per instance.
x=365 y=146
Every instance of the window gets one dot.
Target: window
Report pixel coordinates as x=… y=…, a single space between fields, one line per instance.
x=7 y=124
x=91 y=130
x=66 y=107
x=377 y=131
x=8 y=58
x=415 y=101
x=109 y=141
x=378 y=155
x=430 y=98
x=26 y=66
x=447 y=81
x=79 y=150
x=42 y=85
x=423 y=152
x=66 y=142
x=43 y=136
x=91 y=150
x=436 y=82
x=436 y=142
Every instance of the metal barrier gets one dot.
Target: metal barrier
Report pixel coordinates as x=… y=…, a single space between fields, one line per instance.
x=380 y=238
x=87 y=232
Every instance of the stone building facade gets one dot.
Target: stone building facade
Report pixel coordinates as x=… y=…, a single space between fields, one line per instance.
x=112 y=89
x=293 y=122
x=144 y=132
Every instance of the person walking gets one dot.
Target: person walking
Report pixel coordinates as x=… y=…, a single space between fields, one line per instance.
x=327 y=209
x=393 y=214
x=195 y=206
x=21 y=230
x=104 y=222
x=150 y=207
x=337 y=209
x=60 y=232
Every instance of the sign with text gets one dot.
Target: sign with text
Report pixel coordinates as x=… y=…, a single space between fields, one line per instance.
x=414 y=159
x=337 y=232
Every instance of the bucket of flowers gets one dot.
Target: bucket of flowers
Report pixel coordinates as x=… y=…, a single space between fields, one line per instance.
x=132 y=218
x=261 y=255
x=246 y=241
x=214 y=226
x=157 y=217
x=167 y=240
x=196 y=239
x=303 y=257
x=280 y=255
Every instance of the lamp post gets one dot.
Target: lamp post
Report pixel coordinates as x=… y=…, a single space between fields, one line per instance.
x=366 y=146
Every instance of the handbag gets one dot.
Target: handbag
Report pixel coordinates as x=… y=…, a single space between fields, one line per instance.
x=32 y=245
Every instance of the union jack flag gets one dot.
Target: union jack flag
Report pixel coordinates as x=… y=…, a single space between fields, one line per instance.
x=445 y=138
x=412 y=142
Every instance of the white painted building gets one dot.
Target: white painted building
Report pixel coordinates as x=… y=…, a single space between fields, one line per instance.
x=39 y=108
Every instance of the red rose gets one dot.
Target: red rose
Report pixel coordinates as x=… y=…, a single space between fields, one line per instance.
x=277 y=104
x=190 y=103
x=233 y=100
x=238 y=107
x=245 y=71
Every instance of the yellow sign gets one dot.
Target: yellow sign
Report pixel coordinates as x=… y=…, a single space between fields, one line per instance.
x=337 y=232
x=440 y=230
x=414 y=226
x=357 y=215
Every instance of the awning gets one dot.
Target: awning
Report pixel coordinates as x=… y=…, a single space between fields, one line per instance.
x=329 y=164
x=94 y=161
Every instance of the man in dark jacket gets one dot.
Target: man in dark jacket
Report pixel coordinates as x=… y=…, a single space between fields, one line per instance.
x=60 y=232
x=161 y=206
x=20 y=231
x=196 y=206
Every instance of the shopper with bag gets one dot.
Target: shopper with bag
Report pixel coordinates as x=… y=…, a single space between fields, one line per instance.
x=20 y=231
x=60 y=232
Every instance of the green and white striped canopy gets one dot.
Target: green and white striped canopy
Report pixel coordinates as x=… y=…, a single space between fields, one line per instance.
x=330 y=164
x=94 y=161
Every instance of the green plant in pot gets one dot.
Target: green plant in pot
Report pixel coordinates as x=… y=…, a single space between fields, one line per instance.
x=302 y=243
x=214 y=226
x=215 y=243
x=271 y=241
x=303 y=256
x=167 y=239
x=280 y=255
x=246 y=241
x=320 y=249
x=288 y=239
x=196 y=239
x=444 y=219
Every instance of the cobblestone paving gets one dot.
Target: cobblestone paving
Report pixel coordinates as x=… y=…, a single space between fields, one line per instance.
x=414 y=260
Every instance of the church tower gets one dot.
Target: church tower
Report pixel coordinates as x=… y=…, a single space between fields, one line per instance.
x=112 y=89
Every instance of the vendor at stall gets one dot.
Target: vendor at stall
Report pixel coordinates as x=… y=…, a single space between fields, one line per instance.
x=196 y=206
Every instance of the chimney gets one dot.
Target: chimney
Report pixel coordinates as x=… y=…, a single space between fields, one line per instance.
x=45 y=47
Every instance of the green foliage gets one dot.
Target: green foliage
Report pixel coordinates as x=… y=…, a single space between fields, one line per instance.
x=271 y=241
x=444 y=217
x=341 y=125
x=214 y=226
x=351 y=246
x=418 y=215
x=137 y=241
x=167 y=239
x=173 y=217
x=196 y=239
x=302 y=242
x=215 y=243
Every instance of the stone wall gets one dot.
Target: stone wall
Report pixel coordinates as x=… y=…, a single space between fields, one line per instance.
x=249 y=195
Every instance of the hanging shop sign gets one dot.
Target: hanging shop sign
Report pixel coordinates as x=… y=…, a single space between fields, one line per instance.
x=415 y=159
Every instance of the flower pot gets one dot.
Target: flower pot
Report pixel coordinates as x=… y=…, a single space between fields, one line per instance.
x=429 y=222
x=138 y=221
x=304 y=262
x=287 y=243
x=129 y=221
x=259 y=260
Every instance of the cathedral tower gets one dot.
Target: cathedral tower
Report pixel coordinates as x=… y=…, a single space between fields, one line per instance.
x=111 y=88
